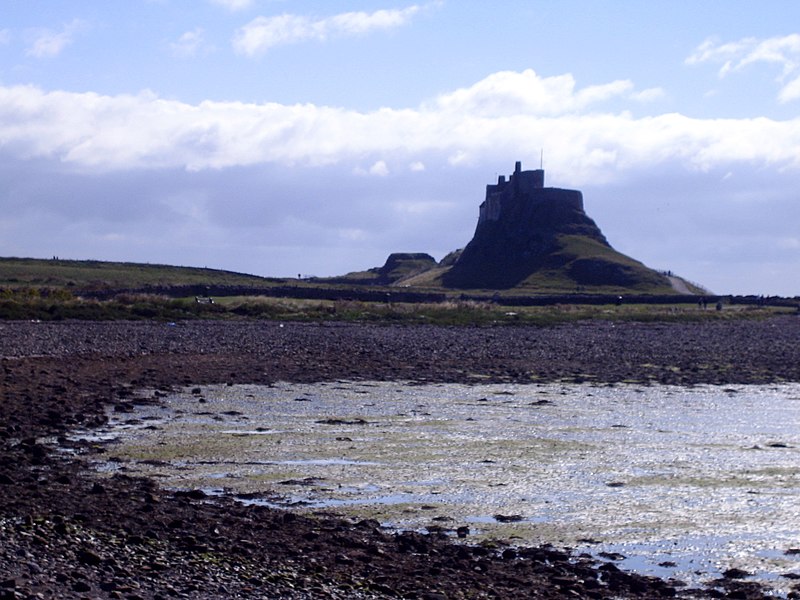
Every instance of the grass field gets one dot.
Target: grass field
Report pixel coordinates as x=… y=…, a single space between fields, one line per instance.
x=91 y=274
x=34 y=289
x=60 y=304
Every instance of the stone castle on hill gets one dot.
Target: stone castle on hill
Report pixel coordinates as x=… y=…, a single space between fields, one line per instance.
x=524 y=186
x=527 y=230
x=528 y=237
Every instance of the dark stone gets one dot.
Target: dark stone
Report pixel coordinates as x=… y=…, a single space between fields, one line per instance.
x=612 y=555
x=371 y=524
x=735 y=574
x=61 y=528
x=509 y=554
x=508 y=518
x=88 y=557
x=191 y=494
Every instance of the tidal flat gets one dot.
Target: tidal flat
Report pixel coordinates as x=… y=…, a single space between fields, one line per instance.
x=674 y=481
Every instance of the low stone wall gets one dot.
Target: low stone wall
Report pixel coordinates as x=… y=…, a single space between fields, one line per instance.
x=404 y=295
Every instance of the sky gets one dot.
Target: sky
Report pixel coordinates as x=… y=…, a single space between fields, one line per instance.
x=314 y=138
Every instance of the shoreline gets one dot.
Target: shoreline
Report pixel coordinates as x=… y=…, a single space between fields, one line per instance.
x=69 y=535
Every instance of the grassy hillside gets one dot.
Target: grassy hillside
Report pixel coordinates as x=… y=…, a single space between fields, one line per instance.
x=398 y=267
x=584 y=264
x=91 y=274
x=580 y=264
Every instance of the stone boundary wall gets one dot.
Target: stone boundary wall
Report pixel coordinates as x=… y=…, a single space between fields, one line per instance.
x=411 y=296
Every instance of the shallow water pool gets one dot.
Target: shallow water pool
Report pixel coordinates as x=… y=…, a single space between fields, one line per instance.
x=683 y=482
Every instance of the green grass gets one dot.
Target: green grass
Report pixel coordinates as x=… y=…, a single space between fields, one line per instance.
x=91 y=274
x=33 y=289
x=59 y=304
x=576 y=247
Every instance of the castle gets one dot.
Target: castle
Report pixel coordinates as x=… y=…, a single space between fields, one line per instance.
x=523 y=186
x=523 y=228
x=528 y=237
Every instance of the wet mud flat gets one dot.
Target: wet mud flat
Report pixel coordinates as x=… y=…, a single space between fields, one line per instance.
x=69 y=533
x=679 y=482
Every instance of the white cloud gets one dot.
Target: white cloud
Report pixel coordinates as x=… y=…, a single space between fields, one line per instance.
x=45 y=43
x=263 y=33
x=511 y=92
x=233 y=5
x=711 y=51
x=189 y=44
x=506 y=114
x=790 y=91
x=379 y=168
x=648 y=95
x=782 y=51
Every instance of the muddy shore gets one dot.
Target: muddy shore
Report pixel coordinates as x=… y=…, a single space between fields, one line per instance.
x=65 y=534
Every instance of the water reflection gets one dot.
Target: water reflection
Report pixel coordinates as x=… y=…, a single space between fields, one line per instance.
x=699 y=479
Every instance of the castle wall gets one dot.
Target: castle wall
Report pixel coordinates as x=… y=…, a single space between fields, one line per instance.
x=523 y=186
x=491 y=207
x=525 y=182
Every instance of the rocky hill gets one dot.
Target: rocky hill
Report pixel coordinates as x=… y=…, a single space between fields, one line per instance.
x=398 y=267
x=533 y=236
x=529 y=237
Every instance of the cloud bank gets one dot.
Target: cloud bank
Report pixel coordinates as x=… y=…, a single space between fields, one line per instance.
x=507 y=113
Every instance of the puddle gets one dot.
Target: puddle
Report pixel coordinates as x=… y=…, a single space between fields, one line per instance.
x=701 y=479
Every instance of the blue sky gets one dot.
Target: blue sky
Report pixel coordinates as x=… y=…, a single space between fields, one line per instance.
x=284 y=137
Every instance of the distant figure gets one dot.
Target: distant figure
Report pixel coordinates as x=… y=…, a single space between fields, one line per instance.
x=719 y=305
